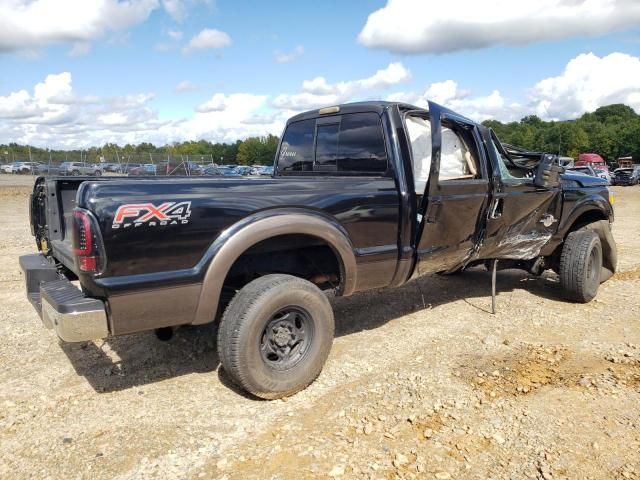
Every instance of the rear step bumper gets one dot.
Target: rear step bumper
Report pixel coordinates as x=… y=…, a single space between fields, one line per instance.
x=60 y=304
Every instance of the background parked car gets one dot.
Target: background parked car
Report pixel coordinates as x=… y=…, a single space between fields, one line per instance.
x=146 y=169
x=6 y=168
x=127 y=167
x=111 y=167
x=221 y=171
x=603 y=172
x=566 y=162
x=79 y=168
x=592 y=159
x=25 y=167
x=180 y=168
x=626 y=176
x=585 y=169
x=262 y=170
x=242 y=170
x=47 y=169
x=267 y=170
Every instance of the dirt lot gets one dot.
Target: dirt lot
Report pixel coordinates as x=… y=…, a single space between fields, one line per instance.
x=544 y=389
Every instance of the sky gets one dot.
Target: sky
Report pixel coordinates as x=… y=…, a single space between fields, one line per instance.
x=80 y=73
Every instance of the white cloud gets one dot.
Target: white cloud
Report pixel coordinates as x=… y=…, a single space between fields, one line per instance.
x=317 y=92
x=417 y=26
x=450 y=95
x=186 y=86
x=80 y=49
x=28 y=24
x=221 y=102
x=588 y=82
x=208 y=39
x=175 y=34
x=17 y=105
x=167 y=46
x=291 y=56
x=229 y=117
x=114 y=118
x=176 y=9
x=53 y=114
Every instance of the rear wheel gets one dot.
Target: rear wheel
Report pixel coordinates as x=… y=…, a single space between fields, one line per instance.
x=275 y=335
x=98 y=173
x=580 y=266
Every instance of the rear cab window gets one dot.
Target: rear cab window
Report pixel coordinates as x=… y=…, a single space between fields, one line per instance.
x=347 y=144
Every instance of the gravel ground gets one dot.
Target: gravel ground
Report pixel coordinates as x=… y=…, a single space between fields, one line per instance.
x=440 y=389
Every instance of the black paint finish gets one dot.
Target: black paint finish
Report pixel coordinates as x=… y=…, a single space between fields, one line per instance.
x=394 y=231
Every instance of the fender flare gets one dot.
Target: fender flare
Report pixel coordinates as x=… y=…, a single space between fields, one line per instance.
x=592 y=203
x=235 y=240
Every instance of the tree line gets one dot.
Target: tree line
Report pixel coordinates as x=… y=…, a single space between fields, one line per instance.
x=612 y=131
x=251 y=151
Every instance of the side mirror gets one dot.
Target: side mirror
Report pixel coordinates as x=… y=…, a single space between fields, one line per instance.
x=548 y=172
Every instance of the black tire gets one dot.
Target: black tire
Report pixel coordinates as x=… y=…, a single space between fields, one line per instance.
x=580 y=266
x=98 y=173
x=269 y=316
x=75 y=173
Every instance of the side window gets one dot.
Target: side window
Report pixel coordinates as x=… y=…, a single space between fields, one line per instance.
x=361 y=146
x=419 y=130
x=296 y=150
x=458 y=155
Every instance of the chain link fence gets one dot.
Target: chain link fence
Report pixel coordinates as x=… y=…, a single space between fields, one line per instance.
x=43 y=163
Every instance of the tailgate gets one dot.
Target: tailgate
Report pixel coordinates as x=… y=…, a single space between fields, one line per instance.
x=52 y=204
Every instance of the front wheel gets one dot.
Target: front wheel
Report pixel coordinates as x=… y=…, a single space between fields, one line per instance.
x=275 y=335
x=581 y=265
x=98 y=173
x=75 y=173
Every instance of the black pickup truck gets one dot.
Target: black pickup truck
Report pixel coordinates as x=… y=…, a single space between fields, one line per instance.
x=363 y=196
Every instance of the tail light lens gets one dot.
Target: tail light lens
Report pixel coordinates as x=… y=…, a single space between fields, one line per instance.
x=87 y=242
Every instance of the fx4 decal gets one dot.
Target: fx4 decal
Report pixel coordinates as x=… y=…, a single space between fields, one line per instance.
x=149 y=214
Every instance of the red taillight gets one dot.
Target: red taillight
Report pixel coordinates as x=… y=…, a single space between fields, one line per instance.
x=88 y=264
x=83 y=244
x=87 y=243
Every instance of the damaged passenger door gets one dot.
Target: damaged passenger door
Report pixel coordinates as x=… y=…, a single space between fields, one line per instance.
x=452 y=210
x=523 y=214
